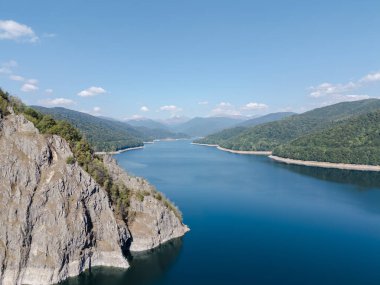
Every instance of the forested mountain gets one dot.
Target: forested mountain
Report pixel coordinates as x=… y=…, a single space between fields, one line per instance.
x=147 y=123
x=102 y=134
x=265 y=119
x=149 y=134
x=355 y=140
x=204 y=126
x=219 y=137
x=270 y=135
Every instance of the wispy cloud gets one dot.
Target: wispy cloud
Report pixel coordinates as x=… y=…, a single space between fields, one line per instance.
x=203 y=103
x=49 y=91
x=225 y=109
x=144 y=109
x=57 y=102
x=29 y=87
x=253 y=106
x=12 y=30
x=92 y=91
x=7 y=67
x=372 y=77
x=16 y=77
x=343 y=91
x=171 y=108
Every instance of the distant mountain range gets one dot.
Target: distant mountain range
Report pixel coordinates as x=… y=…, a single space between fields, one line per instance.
x=199 y=127
x=106 y=134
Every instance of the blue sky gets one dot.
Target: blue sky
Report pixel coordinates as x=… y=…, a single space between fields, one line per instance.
x=192 y=58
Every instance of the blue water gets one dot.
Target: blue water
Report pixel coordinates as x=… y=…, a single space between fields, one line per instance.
x=254 y=221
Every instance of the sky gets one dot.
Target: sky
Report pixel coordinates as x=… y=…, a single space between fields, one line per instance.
x=159 y=59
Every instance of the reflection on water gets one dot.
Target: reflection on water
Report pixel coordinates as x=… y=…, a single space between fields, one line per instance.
x=363 y=179
x=146 y=268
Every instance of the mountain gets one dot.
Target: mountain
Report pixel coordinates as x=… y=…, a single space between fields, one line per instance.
x=204 y=126
x=65 y=209
x=355 y=140
x=103 y=134
x=147 y=123
x=149 y=134
x=176 y=120
x=270 y=135
x=219 y=137
x=265 y=119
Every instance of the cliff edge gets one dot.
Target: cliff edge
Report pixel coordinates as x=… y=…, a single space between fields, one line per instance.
x=56 y=221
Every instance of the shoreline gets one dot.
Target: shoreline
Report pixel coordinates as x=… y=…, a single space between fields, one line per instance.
x=118 y=151
x=250 y=152
x=344 y=166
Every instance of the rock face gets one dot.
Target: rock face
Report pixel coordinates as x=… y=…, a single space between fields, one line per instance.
x=150 y=221
x=56 y=221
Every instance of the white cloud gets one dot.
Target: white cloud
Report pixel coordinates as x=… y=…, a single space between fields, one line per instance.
x=16 y=77
x=170 y=108
x=144 y=109
x=371 y=77
x=32 y=81
x=326 y=89
x=254 y=106
x=57 y=102
x=96 y=109
x=29 y=87
x=7 y=67
x=202 y=103
x=49 y=91
x=225 y=109
x=11 y=30
x=92 y=91
x=343 y=92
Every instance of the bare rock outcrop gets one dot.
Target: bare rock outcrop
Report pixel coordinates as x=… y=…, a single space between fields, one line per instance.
x=152 y=219
x=55 y=220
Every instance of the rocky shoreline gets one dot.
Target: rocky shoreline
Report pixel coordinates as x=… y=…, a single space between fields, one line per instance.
x=119 y=151
x=235 y=151
x=359 y=167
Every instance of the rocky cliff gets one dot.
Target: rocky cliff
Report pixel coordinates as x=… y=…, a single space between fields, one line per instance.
x=152 y=219
x=56 y=221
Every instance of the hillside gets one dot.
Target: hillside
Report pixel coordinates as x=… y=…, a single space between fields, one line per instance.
x=223 y=135
x=149 y=134
x=270 y=135
x=265 y=119
x=199 y=127
x=355 y=141
x=102 y=134
x=147 y=123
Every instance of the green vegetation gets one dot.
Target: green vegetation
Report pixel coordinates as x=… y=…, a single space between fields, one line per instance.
x=105 y=134
x=355 y=140
x=83 y=154
x=102 y=134
x=347 y=132
x=267 y=137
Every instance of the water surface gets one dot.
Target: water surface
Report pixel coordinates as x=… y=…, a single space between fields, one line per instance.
x=254 y=221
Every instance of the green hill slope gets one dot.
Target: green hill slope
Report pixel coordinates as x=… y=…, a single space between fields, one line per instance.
x=271 y=135
x=102 y=134
x=205 y=126
x=355 y=140
x=265 y=119
x=223 y=135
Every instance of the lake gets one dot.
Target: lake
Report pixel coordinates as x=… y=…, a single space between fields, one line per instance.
x=254 y=221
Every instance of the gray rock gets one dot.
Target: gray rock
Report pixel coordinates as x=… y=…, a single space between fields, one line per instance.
x=56 y=221
x=151 y=221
